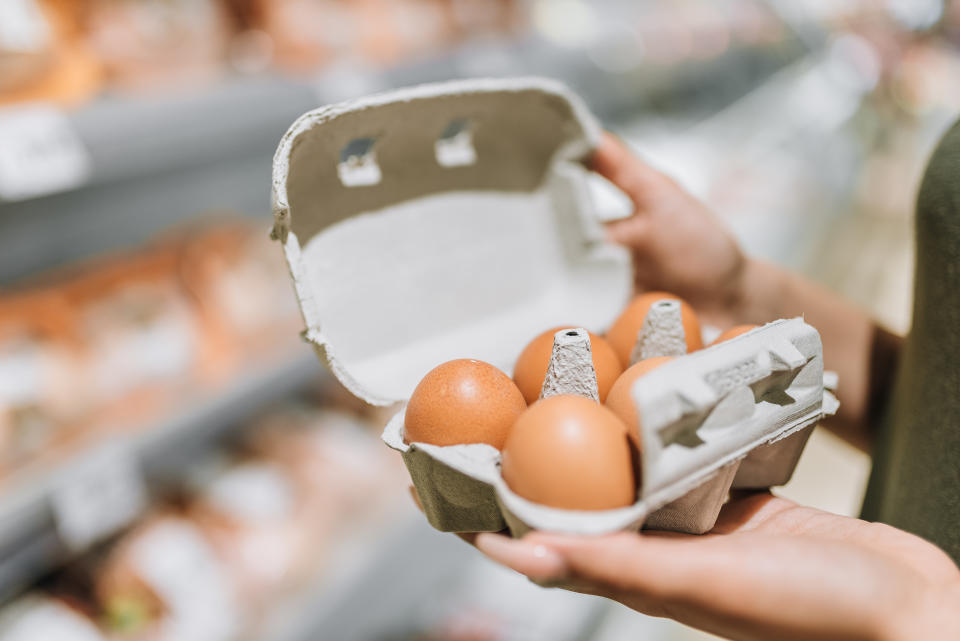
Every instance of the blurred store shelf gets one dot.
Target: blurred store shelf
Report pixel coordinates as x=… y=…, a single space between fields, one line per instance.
x=152 y=161
x=375 y=584
x=403 y=581
x=39 y=505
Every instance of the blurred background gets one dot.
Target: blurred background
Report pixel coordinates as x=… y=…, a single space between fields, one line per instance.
x=174 y=465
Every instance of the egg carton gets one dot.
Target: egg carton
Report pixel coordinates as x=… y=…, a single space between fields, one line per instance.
x=453 y=220
x=734 y=415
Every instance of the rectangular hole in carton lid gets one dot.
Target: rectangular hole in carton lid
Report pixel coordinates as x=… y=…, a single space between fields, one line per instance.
x=454 y=147
x=358 y=163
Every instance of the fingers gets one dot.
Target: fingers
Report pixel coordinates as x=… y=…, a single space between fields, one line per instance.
x=613 y=160
x=638 y=570
x=644 y=565
x=631 y=232
x=651 y=567
x=526 y=556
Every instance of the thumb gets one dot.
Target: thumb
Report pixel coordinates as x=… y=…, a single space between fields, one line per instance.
x=649 y=564
x=630 y=232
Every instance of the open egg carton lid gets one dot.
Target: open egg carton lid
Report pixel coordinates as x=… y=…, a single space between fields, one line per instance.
x=442 y=221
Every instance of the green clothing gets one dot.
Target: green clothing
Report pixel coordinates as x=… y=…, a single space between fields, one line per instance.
x=915 y=483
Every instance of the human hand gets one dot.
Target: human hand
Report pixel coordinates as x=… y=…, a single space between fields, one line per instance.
x=677 y=243
x=770 y=569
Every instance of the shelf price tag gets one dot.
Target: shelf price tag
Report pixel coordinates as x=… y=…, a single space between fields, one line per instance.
x=40 y=153
x=98 y=495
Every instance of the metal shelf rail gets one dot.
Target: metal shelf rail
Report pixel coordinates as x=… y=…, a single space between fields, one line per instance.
x=152 y=162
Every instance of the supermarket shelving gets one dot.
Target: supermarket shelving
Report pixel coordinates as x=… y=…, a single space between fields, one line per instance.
x=159 y=160
x=374 y=585
x=154 y=161
x=387 y=584
x=30 y=543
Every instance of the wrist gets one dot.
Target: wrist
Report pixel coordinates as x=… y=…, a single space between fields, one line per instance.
x=758 y=292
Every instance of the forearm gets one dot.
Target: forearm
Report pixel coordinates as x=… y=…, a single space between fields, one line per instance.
x=863 y=355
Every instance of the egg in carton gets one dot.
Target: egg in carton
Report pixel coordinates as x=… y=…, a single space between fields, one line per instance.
x=453 y=219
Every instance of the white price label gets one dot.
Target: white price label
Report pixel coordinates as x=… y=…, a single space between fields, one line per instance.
x=98 y=496
x=40 y=152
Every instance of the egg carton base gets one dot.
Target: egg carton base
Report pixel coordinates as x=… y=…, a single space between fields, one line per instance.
x=772 y=464
x=696 y=511
x=453 y=483
x=453 y=501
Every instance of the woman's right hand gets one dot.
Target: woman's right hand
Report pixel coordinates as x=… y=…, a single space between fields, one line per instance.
x=677 y=243
x=680 y=246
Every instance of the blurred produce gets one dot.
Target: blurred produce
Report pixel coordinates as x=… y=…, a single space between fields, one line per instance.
x=333 y=456
x=63 y=51
x=38 y=617
x=40 y=367
x=163 y=582
x=138 y=331
x=238 y=283
x=43 y=55
x=155 y=44
x=259 y=522
x=116 y=342
x=251 y=529
x=307 y=34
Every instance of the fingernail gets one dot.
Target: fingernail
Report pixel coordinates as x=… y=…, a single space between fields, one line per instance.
x=535 y=560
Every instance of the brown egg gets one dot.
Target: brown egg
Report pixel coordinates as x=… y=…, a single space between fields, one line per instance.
x=463 y=401
x=620 y=400
x=531 y=367
x=572 y=453
x=733 y=332
x=623 y=334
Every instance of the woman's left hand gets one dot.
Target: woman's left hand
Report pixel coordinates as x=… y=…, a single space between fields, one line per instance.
x=770 y=569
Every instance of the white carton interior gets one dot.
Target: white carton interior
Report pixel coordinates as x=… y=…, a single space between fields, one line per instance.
x=435 y=262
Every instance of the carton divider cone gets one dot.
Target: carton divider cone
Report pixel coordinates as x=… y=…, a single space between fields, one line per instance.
x=571 y=366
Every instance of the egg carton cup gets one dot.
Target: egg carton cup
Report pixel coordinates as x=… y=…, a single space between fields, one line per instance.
x=733 y=415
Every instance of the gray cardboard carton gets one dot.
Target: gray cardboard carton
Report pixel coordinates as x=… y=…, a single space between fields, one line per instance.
x=452 y=220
